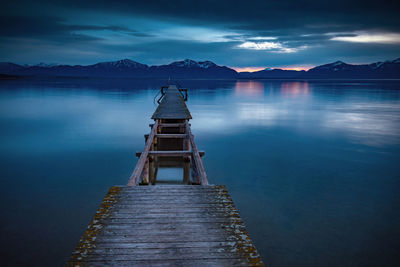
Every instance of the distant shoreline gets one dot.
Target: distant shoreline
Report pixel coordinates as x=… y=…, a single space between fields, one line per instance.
x=6 y=77
x=190 y=69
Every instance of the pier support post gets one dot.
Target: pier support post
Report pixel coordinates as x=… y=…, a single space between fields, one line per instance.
x=186 y=160
x=151 y=171
x=186 y=170
x=195 y=174
x=145 y=174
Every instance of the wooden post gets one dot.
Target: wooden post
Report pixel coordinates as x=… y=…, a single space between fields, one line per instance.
x=155 y=172
x=186 y=160
x=186 y=170
x=145 y=174
x=194 y=173
x=151 y=170
x=155 y=147
x=151 y=162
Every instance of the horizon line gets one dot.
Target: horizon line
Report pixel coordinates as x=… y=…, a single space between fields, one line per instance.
x=305 y=67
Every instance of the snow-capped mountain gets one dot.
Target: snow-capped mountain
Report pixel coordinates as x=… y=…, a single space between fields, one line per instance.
x=339 y=69
x=188 y=63
x=204 y=69
x=45 y=65
x=125 y=68
x=120 y=64
x=193 y=69
x=335 y=66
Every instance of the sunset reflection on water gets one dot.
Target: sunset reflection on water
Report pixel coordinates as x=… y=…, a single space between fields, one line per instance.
x=295 y=88
x=257 y=88
x=249 y=88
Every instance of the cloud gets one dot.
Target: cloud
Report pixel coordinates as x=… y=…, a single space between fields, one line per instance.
x=379 y=38
x=56 y=28
x=258 y=38
x=270 y=46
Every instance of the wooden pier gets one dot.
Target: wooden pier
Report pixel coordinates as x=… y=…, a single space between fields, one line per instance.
x=148 y=224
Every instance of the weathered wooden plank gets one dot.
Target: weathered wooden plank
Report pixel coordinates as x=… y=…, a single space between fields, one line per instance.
x=172 y=263
x=205 y=195
x=164 y=239
x=164 y=236
x=183 y=188
x=165 y=136
x=174 y=245
x=178 y=225
x=164 y=256
x=159 y=189
x=167 y=125
x=157 y=206
x=146 y=205
x=172 y=220
x=171 y=153
x=132 y=204
x=172 y=196
x=169 y=200
x=171 y=135
x=172 y=215
x=198 y=228
x=149 y=210
x=176 y=250
x=201 y=153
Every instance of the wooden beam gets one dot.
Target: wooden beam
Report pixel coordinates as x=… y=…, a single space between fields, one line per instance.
x=171 y=135
x=167 y=136
x=160 y=153
x=196 y=157
x=134 y=179
x=169 y=124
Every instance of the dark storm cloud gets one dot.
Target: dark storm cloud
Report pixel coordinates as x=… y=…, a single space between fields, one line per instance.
x=300 y=32
x=38 y=26
x=261 y=15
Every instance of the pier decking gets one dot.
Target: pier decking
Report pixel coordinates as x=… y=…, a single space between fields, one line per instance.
x=192 y=224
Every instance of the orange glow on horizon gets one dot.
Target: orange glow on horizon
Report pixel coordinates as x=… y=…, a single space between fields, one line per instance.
x=295 y=68
x=253 y=69
x=249 y=69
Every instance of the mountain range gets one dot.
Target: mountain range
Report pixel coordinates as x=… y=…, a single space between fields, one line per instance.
x=204 y=70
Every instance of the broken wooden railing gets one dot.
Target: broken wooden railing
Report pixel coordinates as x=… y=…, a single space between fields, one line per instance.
x=145 y=170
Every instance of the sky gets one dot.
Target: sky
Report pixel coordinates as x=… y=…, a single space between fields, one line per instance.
x=245 y=35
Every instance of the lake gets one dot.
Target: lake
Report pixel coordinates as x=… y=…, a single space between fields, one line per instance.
x=312 y=166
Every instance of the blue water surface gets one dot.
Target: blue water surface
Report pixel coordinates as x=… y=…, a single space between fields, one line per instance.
x=312 y=166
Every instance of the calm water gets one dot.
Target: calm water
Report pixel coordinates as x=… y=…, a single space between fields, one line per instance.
x=314 y=167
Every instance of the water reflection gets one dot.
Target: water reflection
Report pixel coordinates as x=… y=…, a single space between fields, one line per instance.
x=261 y=114
x=321 y=159
x=249 y=88
x=363 y=118
x=367 y=123
x=295 y=88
